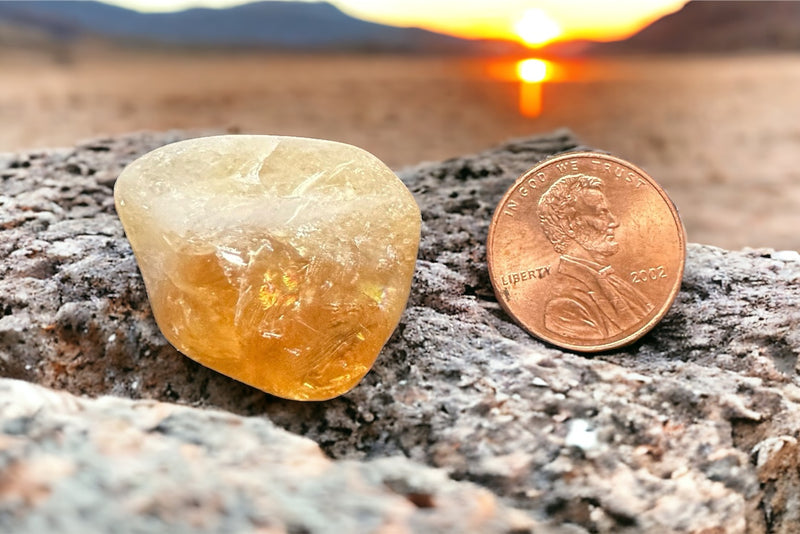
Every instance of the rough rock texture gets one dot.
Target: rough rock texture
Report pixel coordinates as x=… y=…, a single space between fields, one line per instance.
x=693 y=429
x=115 y=465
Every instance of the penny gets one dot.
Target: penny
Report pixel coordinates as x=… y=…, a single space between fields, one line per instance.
x=586 y=252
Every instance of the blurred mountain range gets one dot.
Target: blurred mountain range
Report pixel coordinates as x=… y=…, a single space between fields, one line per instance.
x=720 y=26
x=700 y=26
x=305 y=26
x=706 y=26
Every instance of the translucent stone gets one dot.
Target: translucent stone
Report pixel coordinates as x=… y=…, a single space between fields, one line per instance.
x=282 y=262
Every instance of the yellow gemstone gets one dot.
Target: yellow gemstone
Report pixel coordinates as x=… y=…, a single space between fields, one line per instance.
x=282 y=262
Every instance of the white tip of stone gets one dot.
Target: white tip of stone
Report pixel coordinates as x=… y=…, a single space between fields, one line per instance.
x=786 y=255
x=581 y=435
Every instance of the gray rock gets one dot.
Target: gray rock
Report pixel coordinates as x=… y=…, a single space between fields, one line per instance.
x=115 y=465
x=692 y=429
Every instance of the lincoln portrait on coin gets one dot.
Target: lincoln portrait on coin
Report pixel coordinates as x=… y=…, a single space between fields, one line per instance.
x=589 y=300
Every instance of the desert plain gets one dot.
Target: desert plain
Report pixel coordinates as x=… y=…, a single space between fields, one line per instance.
x=721 y=133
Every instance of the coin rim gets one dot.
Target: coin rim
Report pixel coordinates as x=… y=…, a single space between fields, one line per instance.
x=673 y=293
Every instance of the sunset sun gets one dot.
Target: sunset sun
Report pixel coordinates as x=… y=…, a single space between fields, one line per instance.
x=536 y=28
x=532 y=70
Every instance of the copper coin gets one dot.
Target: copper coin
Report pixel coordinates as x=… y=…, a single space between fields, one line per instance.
x=586 y=252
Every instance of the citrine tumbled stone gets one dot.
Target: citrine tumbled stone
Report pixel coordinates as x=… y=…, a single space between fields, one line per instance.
x=282 y=262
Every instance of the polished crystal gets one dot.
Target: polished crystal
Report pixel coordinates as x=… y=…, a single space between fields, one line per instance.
x=281 y=262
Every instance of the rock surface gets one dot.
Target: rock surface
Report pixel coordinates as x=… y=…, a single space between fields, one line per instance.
x=692 y=429
x=115 y=465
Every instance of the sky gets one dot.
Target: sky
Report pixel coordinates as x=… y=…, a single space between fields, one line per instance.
x=602 y=20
